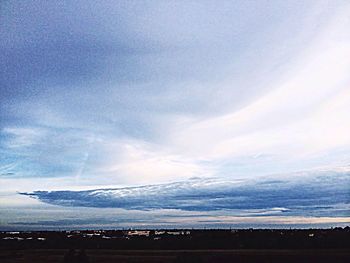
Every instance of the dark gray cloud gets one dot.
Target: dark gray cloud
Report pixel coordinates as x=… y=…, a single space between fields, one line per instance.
x=320 y=194
x=49 y=49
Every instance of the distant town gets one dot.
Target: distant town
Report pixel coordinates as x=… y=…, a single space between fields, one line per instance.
x=180 y=239
x=177 y=245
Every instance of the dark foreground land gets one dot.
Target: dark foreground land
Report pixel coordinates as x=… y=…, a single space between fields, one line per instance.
x=313 y=245
x=194 y=256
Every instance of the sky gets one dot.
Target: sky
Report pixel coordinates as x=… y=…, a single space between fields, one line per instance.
x=174 y=113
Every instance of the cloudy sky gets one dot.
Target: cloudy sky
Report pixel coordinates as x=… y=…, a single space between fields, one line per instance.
x=219 y=113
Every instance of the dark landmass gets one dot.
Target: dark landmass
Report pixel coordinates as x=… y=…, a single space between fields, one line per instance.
x=188 y=245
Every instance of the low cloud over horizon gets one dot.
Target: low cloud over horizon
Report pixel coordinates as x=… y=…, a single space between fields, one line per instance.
x=317 y=193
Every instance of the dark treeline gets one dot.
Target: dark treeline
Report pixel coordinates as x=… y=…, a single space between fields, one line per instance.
x=336 y=238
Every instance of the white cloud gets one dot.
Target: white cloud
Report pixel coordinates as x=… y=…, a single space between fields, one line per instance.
x=307 y=113
x=137 y=162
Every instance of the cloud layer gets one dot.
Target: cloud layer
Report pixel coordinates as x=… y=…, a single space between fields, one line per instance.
x=312 y=194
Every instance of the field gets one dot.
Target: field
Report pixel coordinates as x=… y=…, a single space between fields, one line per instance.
x=191 y=246
x=99 y=256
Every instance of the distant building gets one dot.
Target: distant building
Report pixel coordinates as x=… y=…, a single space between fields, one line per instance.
x=138 y=233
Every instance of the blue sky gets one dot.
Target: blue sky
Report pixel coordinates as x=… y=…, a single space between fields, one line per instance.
x=120 y=94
